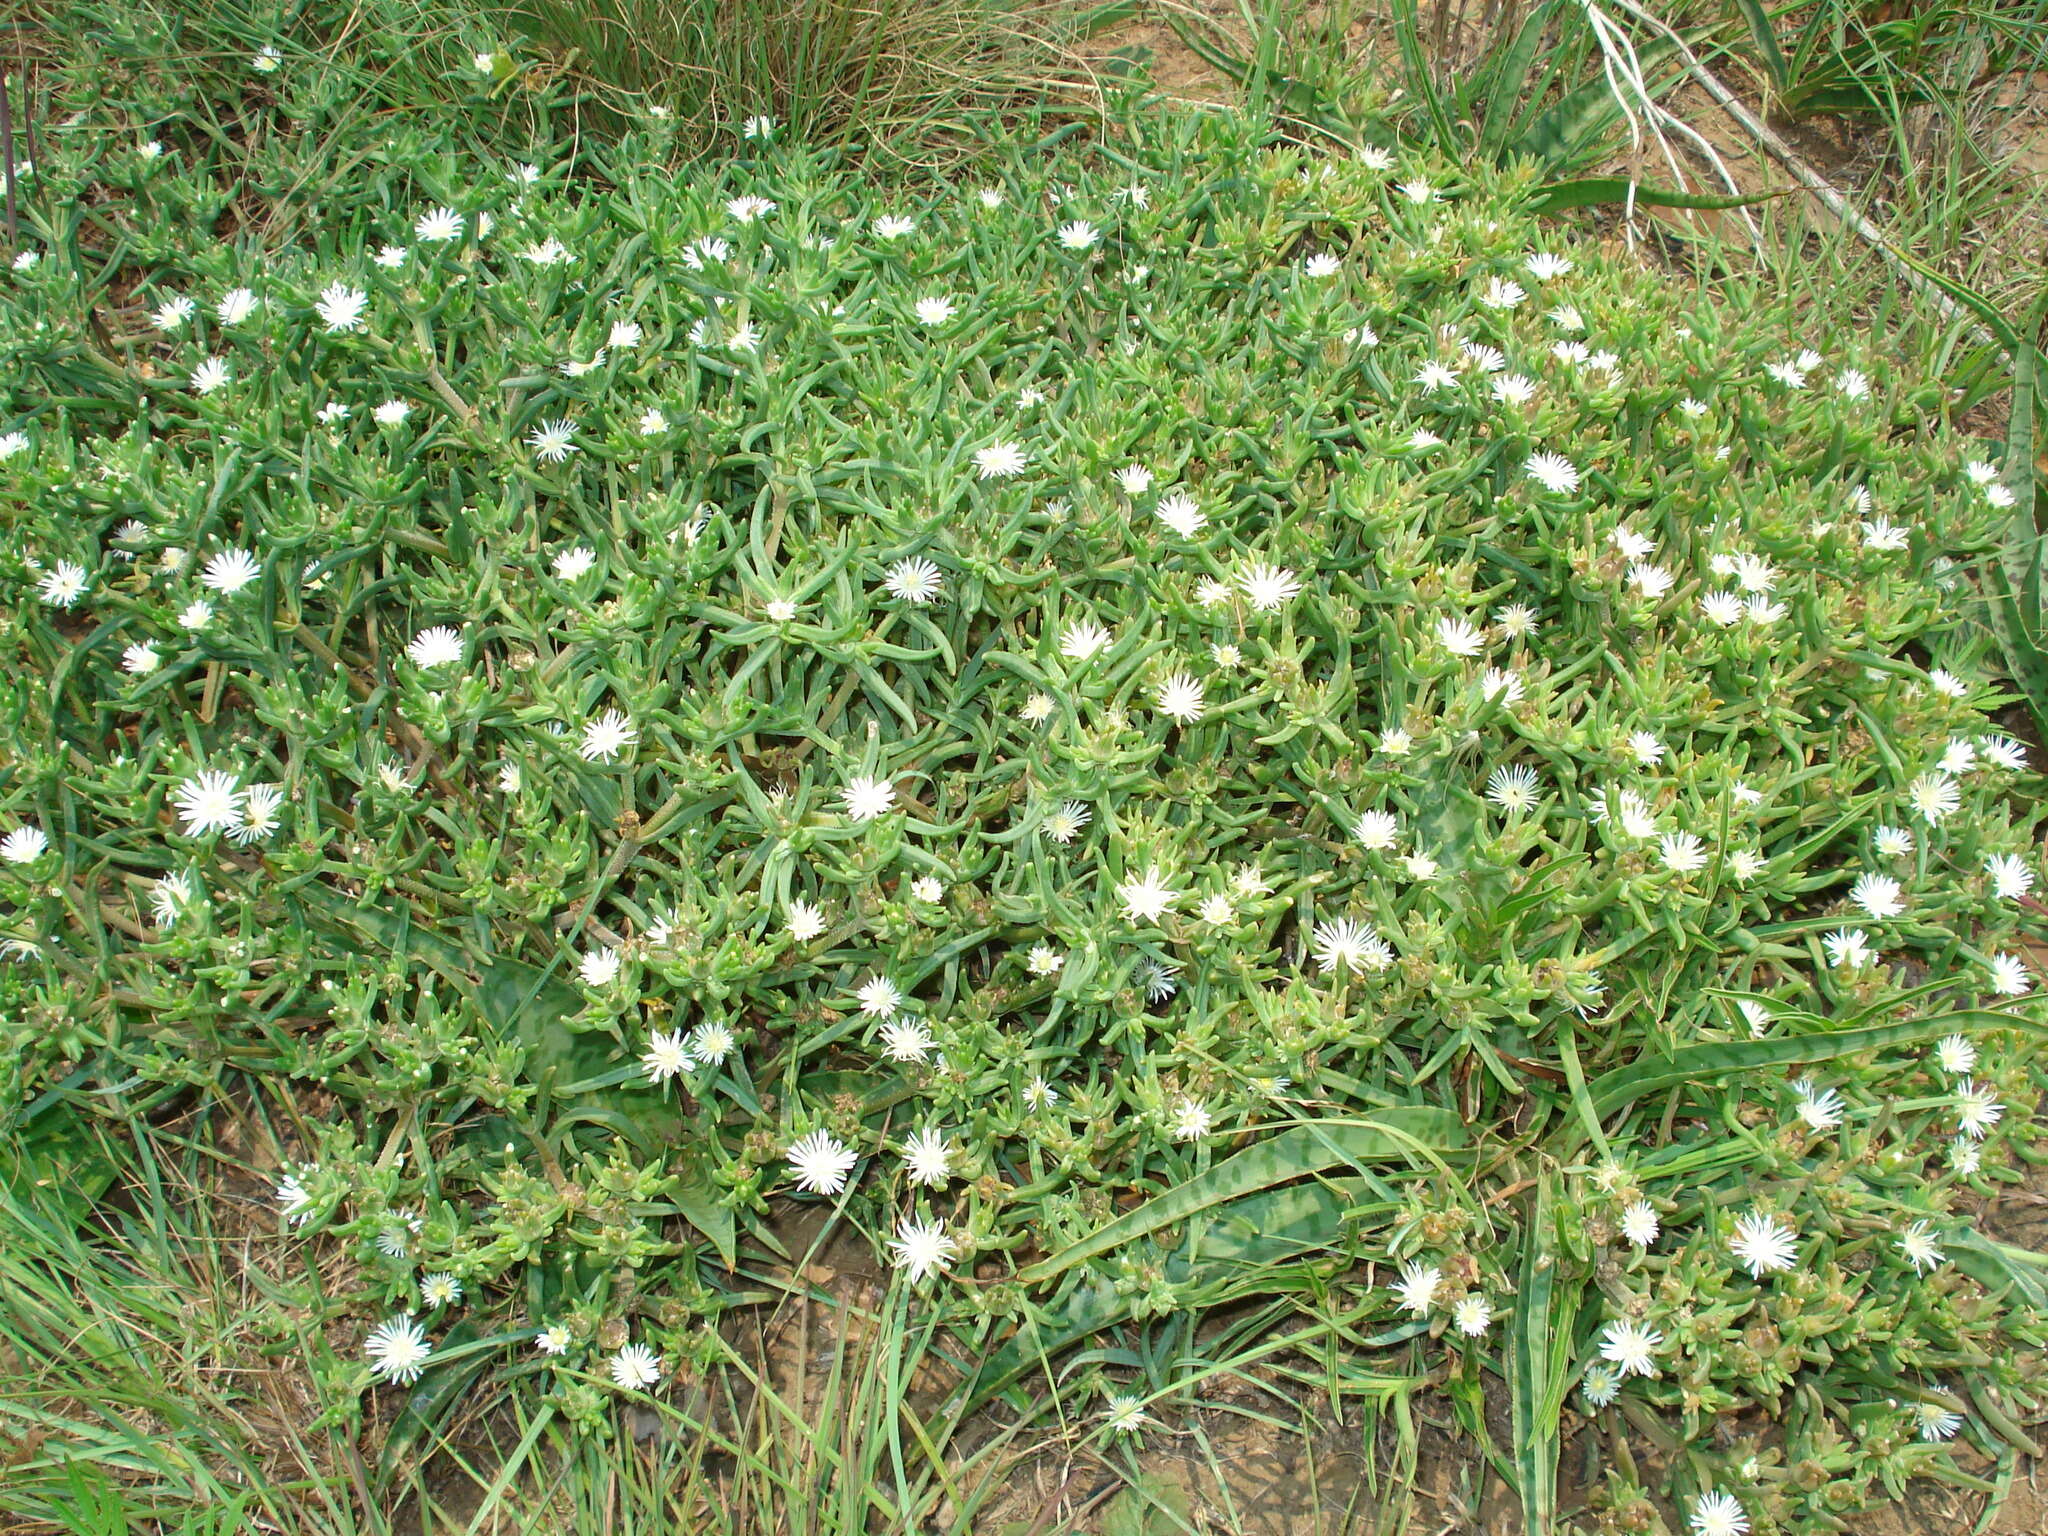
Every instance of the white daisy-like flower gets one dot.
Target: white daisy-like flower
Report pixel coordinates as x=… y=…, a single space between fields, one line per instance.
x=1722 y=608
x=711 y=1042
x=1631 y=545
x=1892 y=842
x=607 y=736
x=1125 y=1414
x=866 y=798
x=1848 y=948
x=1472 y=1315
x=1147 y=897
x=1377 y=830
x=879 y=997
x=1351 y=946
x=1458 y=636
x=652 y=423
x=398 y=1350
x=1652 y=581
x=554 y=1339
x=210 y=375
x=2010 y=977
x=1977 y=1109
x=574 y=564
x=1267 y=587
x=1416 y=1289
x=1180 y=512
x=1322 y=264
x=341 y=307
x=928 y=1157
x=1543 y=266
x=1631 y=1346
x=893 y=226
x=1502 y=293
x=1217 y=910
x=1554 y=472
x=1078 y=235
x=1718 y=1514
x=440 y=1289
x=915 y=580
x=1764 y=1244
x=1179 y=697
x=1083 y=639
x=668 y=1055
x=438 y=225
x=1065 y=821
x=170 y=896
x=921 y=1248
x=1515 y=621
x=1639 y=1223
x=1514 y=389
x=1134 y=480
x=748 y=210
x=1821 y=1109
x=172 y=313
x=1920 y=1247
x=1935 y=1422
x=1514 y=787
x=391 y=413
x=261 y=804
x=1958 y=757
x=230 y=571
x=63 y=586
x=1000 y=460
x=1878 y=895
x=440 y=646
x=1601 y=1385
x=928 y=888
x=1955 y=1054
x=934 y=310
x=24 y=844
x=295 y=1203
x=2006 y=753
x=1192 y=1120
x=634 y=1368
x=1211 y=593
x=553 y=441
x=1682 y=852
x=1433 y=376
x=820 y=1163
x=599 y=968
x=2011 y=876
x=210 y=801
x=1933 y=796
x=907 y=1039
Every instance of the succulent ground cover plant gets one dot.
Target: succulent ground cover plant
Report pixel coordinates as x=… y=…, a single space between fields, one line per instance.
x=1184 y=727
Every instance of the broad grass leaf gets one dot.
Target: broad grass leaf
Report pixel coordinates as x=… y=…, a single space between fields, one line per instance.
x=1392 y=1134
x=1721 y=1060
x=1539 y=1357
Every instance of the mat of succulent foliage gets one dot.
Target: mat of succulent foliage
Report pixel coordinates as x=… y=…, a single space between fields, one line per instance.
x=1192 y=719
